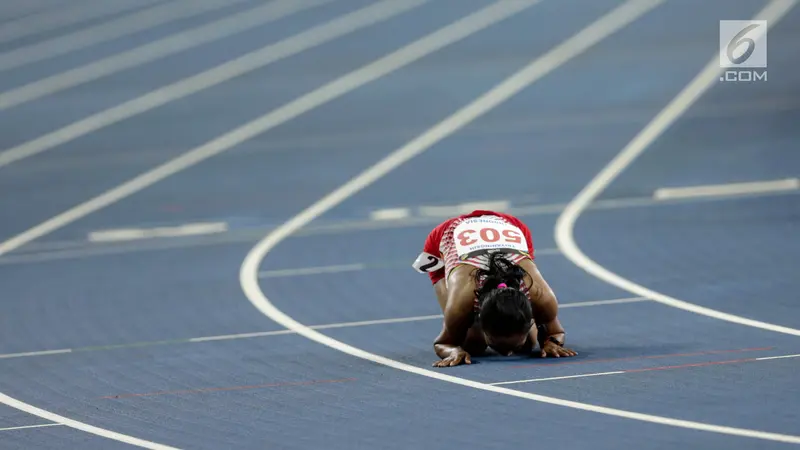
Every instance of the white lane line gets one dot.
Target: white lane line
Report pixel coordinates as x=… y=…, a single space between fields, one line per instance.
x=130 y=234
x=256 y=334
x=55 y=250
x=26 y=427
x=338 y=268
x=59 y=250
x=257 y=59
x=231 y=337
x=418 y=49
x=767 y=358
x=390 y=214
x=61 y=420
x=248 y=274
x=39 y=353
x=567 y=377
x=617 y=301
x=68 y=14
x=657 y=199
x=86 y=37
x=463 y=208
x=437 y=40
x=576 y=45
x=565 y=224
x=13 y=11
x=729 y=189
x=302 y=271
x=546 y=251
x=499 y=205
x=648 y=369
x=159 y=49
x=362 y=323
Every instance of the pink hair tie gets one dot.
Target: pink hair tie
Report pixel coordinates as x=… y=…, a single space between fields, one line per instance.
x=502 y=286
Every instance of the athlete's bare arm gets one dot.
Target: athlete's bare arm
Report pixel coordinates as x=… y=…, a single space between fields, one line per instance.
x=545 y=313
x=451 y=344
x=441 y=293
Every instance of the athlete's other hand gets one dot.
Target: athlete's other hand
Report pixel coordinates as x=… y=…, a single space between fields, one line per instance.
x=554 y=350
x=458 y=356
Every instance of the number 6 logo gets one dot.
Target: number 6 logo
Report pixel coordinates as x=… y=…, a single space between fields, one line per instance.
x=737 y=41
x=742 y=44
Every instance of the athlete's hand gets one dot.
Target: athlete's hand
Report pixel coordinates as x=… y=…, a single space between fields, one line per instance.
x=554 y=350
x=458 y=356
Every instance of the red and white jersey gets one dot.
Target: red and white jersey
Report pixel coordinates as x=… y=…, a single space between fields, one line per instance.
x=467 y=239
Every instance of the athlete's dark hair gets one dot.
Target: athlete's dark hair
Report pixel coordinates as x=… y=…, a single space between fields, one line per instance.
x=504 y=311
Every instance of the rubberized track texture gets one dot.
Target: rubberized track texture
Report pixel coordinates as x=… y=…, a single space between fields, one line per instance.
x=209 y=210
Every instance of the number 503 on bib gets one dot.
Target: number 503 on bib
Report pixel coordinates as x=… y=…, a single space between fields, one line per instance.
x=478 y=235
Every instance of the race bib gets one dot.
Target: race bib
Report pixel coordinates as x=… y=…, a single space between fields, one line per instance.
x=426 y=263
x=478 y=234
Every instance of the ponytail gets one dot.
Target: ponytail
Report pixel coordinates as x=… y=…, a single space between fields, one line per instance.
x=500 y=270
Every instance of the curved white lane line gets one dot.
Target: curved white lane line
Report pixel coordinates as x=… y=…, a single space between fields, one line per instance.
x=369 y=15
x=248 y=275
x=22 y=406
x=564 y=230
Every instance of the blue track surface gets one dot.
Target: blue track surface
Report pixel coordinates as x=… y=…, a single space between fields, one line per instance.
x=123 y=319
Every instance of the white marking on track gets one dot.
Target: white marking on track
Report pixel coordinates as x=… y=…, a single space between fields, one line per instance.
x=363 y=323
x=61 y=420
x=767 y=358
x=256 y=334
x=385 y=65
x=130 y=234
x=576 y=45
x=303 y=271
x=153 y=51
x=257 y=59
x=39 y=353
x=390 y=214
x=372 y=14
x=566 y=377
x=338 y=268
x=231 y=337
x=62 y=15
x=58 y=250
x=26 y=427
x=14 y=11
x=617 y=301
x=86 y=37
x=729 y=189
x=647 y=369
x=463 y=208
x=565 y=223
